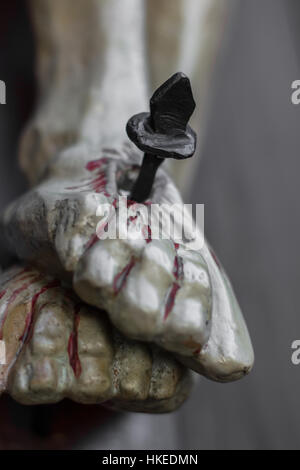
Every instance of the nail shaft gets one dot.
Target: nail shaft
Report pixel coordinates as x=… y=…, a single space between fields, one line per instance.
x=143 y=185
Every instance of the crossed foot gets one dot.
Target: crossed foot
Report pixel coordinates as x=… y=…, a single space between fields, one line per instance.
x=157 y=292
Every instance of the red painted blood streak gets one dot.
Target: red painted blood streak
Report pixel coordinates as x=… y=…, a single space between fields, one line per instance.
x=121 y=278
x=178 y=274
x=178 y=268
x=94 y=239
x=97 y=184
x=12 y=298
x=22 y=344
x=96 y=164
x=19 y=273
x=73 y=344
x=97 y=236
x=132 y=218
x=102 y=228
x=2 y=294
x=171 y=299
x=30 y=316
x=147 y=234
x=83 y=186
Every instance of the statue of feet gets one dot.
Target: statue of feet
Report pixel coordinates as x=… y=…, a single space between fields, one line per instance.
x=153 y=290
x=57 y=347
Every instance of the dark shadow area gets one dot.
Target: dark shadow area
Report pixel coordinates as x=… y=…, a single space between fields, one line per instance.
x=58 y=426
x=17 y=72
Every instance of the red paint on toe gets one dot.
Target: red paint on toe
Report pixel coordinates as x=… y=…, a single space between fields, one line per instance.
x=73 y=344
x=94 y=239
x=12 y=298
x=95 y=164
x=99 y=184
x=178 y=268
x=171 y=299
x=148 y=237
x=121 y=278
x=30 y=316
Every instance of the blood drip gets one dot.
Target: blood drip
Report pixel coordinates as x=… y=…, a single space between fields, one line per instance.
x=121 y=277
x=73 y=344
x=178 y=274
x=2 y=294
x=30 y=316
x=12 y=298
x=97 y=184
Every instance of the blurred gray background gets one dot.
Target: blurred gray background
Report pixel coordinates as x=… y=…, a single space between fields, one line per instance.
x=248 y=180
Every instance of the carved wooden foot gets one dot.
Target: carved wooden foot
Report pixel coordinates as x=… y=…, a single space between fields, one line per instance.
x=57 y=347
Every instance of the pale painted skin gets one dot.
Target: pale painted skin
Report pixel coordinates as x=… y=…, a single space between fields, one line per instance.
x=203 y=327
x=95 y=50
x=57 y=347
